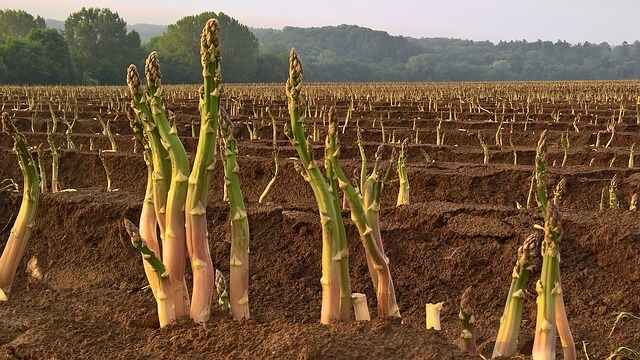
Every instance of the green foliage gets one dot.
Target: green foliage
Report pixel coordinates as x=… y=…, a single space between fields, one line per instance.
x=97 y=47
x=59 y=68
x=100 y=45
x=17 y=23
x=25 y=61
x=179 y=48
x=342 y=53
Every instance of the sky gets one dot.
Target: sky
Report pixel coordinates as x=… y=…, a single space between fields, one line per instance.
x=575 y=21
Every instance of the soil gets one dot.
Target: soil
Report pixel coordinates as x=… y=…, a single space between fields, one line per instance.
x=462 y=228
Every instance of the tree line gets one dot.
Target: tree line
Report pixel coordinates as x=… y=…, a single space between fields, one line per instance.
x=95 y=47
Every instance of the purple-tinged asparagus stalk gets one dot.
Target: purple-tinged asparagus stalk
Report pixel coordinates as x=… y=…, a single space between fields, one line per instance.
x=203 y=166
x=371 y=192
x=160 y=157
x=166 y=307
x=25 y=221
x=174 y=249
x=148 y=221
x=467 y=323
x=384 y=291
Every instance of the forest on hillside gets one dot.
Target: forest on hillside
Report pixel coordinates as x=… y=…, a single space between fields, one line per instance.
x=95 y=45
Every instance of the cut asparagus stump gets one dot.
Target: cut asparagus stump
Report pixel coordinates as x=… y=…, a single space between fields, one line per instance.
x=433 y=315
x=360 y=307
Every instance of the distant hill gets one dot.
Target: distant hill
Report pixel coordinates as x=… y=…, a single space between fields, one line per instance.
x=54 y=24
x=146 y=31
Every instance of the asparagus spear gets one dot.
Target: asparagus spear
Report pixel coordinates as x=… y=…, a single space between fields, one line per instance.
x=548 y=287
x=507 y=339
x=331 y=252
x=148 y=221
x=403 y=193
x=239 y=256
x=54 y=163
x=387 y=305
x=25 y=221
x=345 y=281
x=174 y=249
x=203 y=166
x=467 y=322
x=160 y=156
x=166 y=307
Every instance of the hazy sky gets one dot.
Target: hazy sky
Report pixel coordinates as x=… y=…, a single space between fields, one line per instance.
x=575 y=21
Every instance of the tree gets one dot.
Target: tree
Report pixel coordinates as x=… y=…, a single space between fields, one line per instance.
x=100 y=45
x=59 y=66
x=25 y=62
x=179 y=49
x=17 y=23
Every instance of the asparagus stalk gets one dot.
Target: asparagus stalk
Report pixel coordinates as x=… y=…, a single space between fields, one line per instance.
x=42 y=170
x=560 y=188
x=371 y=205
x=166 y=308
x=345 y=282
x=239 y=256
x=160 y=156
x=221 y=289
x=366 y=192
x=363 y=168
x=106 y=169
x=148 y=221
x=203 y=166
x=275 y=158
x=331 y=253
x=106 y=130
x=25 y=221
x=507 y=339
x=54 y=163
x=403 y=193
x=541 y=187
x=384 y=291
x=548 y=287
x=467 y=322
x=174 y=249
x=613 y=193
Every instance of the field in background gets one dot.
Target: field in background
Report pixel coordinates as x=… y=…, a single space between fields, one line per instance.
x=463 y=227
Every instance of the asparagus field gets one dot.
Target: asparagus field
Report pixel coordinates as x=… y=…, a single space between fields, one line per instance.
x=455 y=173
